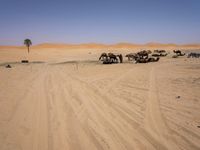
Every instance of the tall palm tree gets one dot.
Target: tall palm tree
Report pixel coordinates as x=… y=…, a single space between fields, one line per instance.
x=28 y=43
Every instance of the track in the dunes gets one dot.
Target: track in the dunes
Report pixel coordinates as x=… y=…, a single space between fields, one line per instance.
x=92 y=106
x=61 y=108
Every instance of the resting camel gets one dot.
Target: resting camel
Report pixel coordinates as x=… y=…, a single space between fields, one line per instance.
x=158 y=53
x=143 y=57
x=194 y=55
x=149 y=51
x=144 y=53
x=146 y=60
x=153 y=59
x=131 y=56
x=178 y=52
x=140 y=57
x=141 y=60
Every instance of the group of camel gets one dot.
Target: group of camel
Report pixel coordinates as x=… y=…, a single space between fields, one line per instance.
x=143 y=56
x=193 y=55
x=111 y=58
x=139 y=57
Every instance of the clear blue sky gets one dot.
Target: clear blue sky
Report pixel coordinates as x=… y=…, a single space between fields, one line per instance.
x=100 y=21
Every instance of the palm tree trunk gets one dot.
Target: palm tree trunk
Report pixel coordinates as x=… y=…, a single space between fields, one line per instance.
x=28 y=49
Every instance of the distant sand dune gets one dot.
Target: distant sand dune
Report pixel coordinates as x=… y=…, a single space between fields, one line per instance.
x=99 y=46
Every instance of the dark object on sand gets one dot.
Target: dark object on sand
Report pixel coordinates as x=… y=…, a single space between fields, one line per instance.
x=179 y=53
x=198 y=126
x=143 y=57
x=178 y=97
x=131 y=56
x=111 y=58
x=193 y=55
x=153 y=59
x=24 y=61
x=159 y=53
x=8 y=66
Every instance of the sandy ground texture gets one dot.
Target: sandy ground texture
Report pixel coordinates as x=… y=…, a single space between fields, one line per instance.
x=67 y=100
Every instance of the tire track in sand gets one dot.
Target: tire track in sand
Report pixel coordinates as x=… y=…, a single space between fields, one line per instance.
x=154 y=121
x=102 y=110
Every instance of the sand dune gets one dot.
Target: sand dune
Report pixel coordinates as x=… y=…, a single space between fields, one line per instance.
x=100 y=46
x=118 y=46
x=66 y=100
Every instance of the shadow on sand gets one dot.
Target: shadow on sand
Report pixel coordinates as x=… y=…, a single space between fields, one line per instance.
x=77 y=62
x=3 y=64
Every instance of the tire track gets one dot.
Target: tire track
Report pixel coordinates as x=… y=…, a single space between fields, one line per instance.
x=155 y=123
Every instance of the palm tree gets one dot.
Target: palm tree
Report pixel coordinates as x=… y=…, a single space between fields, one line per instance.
x=28 y=43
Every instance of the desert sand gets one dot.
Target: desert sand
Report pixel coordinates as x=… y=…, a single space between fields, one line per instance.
x=64 y=99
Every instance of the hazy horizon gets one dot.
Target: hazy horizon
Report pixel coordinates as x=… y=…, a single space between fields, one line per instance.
x=104 y=22
x=104 y=44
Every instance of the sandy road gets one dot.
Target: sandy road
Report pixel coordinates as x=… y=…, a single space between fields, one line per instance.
x=154 y=120
x=85 y=107
x=26 y=126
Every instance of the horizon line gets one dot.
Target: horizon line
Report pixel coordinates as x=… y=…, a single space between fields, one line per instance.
x=106 y=44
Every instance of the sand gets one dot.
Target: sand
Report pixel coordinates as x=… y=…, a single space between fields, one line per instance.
x=67 y=100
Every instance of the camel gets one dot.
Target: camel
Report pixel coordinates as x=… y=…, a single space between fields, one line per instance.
x=146 y=60
x=156 y=54
x=103 y=56
x=143 y=57
x=141 y=60
x=178 y=52
x=143 y=54
x=110 y=58
x=194 y=55
x=120 y=58
x=113 y=58
x=131 y=56
x=153 y=59
x=149 y=51
x=159 y=53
